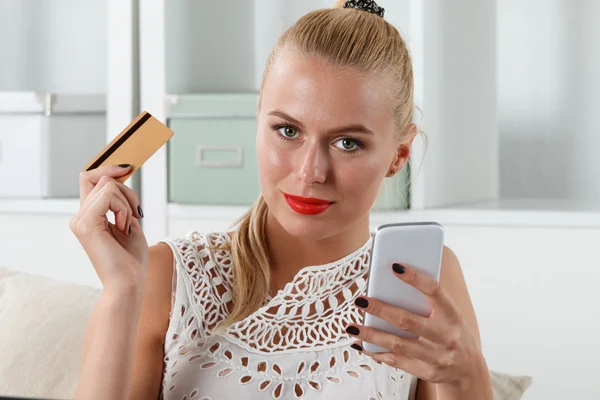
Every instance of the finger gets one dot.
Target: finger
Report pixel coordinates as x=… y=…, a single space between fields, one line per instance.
x=412 y=348
x=425 y=284
x=400 y=317
x=109 y=187
x=135 y=227
x=93 y=216
x=89 y=179
x=131 y=196
x=413 y=366
x=123 y=216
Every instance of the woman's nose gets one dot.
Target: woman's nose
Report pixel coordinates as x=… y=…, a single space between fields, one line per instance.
x=314 y=164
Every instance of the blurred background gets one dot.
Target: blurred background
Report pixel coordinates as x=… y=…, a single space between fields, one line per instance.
x=509 y=94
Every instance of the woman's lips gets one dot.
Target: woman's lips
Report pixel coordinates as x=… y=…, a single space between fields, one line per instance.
x=307 y=205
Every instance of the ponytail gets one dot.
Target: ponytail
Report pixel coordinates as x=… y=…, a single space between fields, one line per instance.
x=250 y=263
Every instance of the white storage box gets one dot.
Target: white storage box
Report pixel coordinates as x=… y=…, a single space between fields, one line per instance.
x=45 y=142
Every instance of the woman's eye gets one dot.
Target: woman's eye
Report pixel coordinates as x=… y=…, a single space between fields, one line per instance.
x=347 y=144
x=288 y=131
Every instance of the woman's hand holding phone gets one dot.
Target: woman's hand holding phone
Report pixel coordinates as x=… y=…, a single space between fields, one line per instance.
x=119 y=251
x=446 y=351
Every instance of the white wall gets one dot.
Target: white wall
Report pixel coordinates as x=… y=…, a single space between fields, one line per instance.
x=44 y=245
x=455 y=86
x=206 y=52
x=549 y=95
x=43 y=48
x=535 y=291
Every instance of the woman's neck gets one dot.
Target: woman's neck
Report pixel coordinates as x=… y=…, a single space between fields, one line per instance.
x=289 y=254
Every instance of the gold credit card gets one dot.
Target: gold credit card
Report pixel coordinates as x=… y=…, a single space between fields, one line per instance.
x=134 y=145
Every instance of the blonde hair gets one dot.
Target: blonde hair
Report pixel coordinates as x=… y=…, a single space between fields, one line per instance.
x=343 y=38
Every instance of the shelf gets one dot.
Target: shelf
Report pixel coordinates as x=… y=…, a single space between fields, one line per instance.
x=527 y=213
x=205 y=212
x=497 y=218
x=509 y=213
x=48 y=207
x=535 y=205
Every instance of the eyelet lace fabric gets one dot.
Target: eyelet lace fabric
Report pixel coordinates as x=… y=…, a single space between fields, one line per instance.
x=294 y=346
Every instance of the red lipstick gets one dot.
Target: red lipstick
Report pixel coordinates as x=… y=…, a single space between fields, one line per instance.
x=307 y=205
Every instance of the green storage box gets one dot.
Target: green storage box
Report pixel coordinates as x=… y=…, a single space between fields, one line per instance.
x=395 y=192
x=212 y=156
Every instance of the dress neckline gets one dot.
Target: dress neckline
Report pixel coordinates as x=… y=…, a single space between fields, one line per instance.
x=331 y=267
x=310 y=311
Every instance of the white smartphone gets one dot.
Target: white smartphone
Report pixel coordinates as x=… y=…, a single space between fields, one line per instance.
x=417 y=244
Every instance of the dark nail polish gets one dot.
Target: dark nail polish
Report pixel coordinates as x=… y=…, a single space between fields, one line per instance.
x=124 y=165
x=399 y=269
x=362 y=303
x=129 y=230
x=356 y=346
x=352 y=330
x=140 y=212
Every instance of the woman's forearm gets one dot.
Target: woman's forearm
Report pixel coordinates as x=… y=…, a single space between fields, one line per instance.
x=106 y=370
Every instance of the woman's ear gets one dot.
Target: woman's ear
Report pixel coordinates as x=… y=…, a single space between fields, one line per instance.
x=403 y=150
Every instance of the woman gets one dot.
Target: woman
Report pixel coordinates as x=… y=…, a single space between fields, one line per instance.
x=273 y=309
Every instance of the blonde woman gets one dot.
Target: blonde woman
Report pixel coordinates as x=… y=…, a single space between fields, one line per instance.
x=272 y=309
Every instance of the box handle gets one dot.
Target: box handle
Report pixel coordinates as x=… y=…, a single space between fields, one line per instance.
x=200 y=162
x=46 y=100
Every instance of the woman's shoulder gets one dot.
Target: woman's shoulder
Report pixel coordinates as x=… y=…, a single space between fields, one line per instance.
x=200 y=252
x=199 y=241
x=202 y=279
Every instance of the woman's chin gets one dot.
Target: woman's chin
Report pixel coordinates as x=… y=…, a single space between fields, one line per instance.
x=307 y=227
x=306 y=235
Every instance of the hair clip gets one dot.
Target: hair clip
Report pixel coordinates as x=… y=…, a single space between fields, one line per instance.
x=365 y=5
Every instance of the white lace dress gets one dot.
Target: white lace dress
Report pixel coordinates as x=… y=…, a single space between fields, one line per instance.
x=295 y=346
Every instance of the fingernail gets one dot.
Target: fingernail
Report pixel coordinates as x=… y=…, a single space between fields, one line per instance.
x=129 y=230
x=352 y=330
x=124 y=165
x=356 y=347
x=140 y=212
x=362 y=303
x=399 y=269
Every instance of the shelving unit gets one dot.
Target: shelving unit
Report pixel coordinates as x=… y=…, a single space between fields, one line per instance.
x=462 y=83
x=490 y=151
x=41 y=55
x=64 y=48
x=66 y=207
x=67 y=48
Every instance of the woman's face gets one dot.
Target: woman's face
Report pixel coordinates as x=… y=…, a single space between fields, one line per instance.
x=325 y=142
